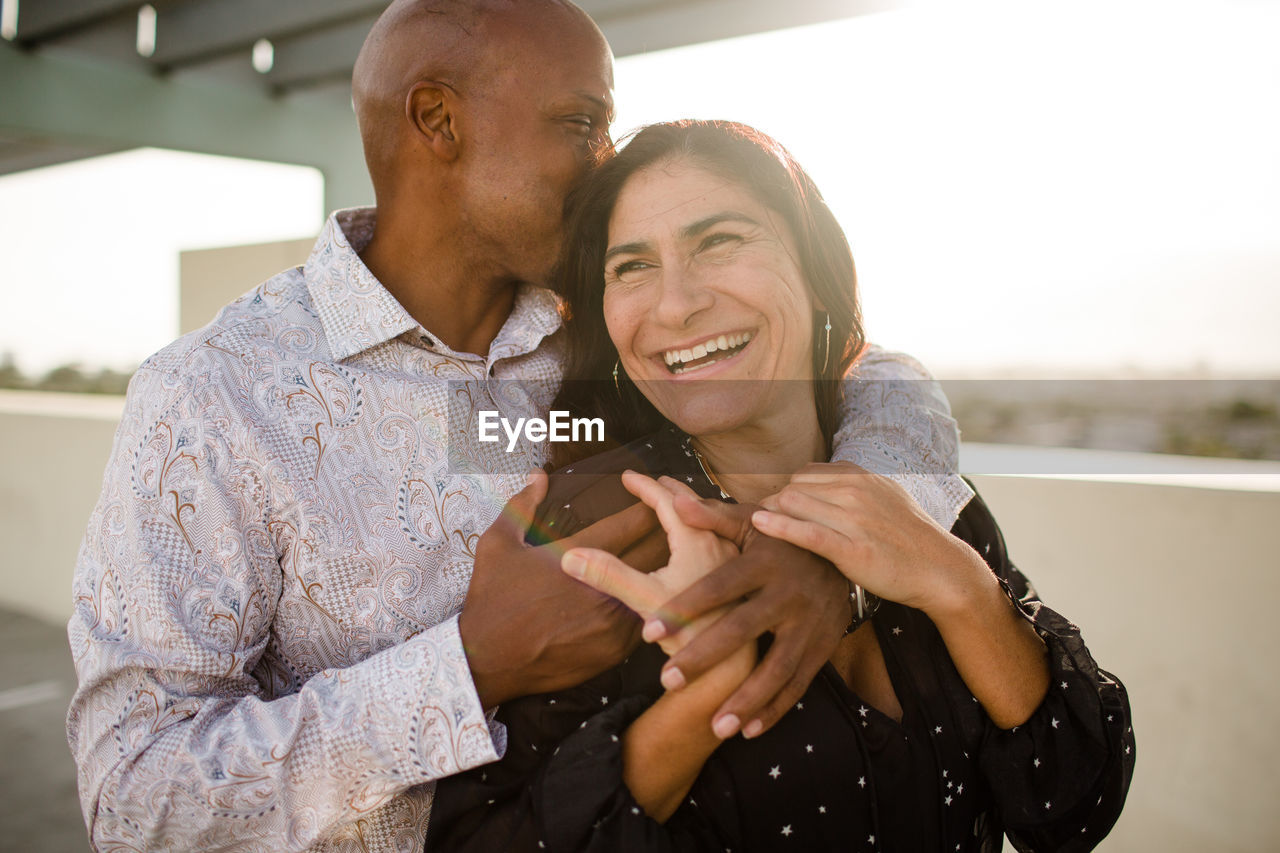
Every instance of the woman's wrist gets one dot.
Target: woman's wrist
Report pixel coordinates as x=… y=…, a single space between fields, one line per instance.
x=964 y=588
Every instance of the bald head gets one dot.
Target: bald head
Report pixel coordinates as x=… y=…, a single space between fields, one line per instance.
x=461 y=45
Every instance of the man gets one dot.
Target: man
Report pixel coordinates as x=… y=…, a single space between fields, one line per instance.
x=267 y=628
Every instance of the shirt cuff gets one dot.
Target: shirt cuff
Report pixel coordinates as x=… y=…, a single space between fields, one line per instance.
x=428 y=678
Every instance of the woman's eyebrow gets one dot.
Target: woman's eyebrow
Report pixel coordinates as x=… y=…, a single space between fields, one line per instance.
x=627 y=249
x=690 y=231
x=696 y=228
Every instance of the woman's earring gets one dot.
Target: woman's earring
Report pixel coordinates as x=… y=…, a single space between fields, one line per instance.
x=826 y=350
x=615 y=378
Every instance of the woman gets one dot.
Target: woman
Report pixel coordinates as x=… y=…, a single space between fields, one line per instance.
x=712 y=290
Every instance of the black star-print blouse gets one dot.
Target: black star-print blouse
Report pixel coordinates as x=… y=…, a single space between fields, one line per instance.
x=834 y=773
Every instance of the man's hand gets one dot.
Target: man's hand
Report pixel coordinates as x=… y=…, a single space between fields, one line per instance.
x=527 y=627
x=777 y=587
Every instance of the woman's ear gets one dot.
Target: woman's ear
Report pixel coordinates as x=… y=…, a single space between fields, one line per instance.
x=429 y=107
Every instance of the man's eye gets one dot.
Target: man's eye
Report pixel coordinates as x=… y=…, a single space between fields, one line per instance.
x=582 y=124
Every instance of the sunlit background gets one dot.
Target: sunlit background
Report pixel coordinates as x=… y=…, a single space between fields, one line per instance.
x=1086 y=189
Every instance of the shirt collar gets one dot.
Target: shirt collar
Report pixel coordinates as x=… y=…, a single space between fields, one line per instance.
x=356 y=311
x=534 y=316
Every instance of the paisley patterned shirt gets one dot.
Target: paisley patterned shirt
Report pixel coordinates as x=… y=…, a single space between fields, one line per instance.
x=266 y=600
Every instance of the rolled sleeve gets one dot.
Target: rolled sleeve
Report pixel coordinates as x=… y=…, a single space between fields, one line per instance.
x=895 y=421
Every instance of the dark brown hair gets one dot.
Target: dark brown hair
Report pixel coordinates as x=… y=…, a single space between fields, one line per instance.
x=762 y=167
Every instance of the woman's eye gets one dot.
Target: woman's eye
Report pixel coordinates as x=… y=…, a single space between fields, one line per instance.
x=632 y=266
x=719 y=239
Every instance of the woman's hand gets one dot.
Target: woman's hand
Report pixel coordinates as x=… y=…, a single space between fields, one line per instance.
x=876 y=535
x=694 y=553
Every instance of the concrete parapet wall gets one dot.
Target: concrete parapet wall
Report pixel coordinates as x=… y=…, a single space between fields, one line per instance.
x=1175 y=590
x=52 y=451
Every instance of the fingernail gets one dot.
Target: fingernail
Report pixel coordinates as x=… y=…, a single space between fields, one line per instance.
x=726 y=726
x=672 y=678
x=653 y=631
x=573 y=564
x=530 y=477
x=762 y=518
x=753 y=728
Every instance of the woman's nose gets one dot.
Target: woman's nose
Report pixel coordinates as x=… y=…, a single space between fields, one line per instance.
x=682 y=296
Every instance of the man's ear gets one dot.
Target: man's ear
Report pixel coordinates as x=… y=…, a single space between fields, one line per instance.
x=429 y=108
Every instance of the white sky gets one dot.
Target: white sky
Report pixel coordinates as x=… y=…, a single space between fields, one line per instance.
x=1087 y=186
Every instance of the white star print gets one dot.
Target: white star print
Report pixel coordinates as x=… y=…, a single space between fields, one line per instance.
x=786 y=830
x=1126 y=749
x=1064 y=685
x=808 y=747
x=635 y=810
x=799 y=706
x=896 y=630
x=944 y=774
x=949 y=784
x=776 y=771
x=862 y=781
x=822 y=809
x=1054 y=722
x=871 y=839
x=863 y=710
x=960 y=788
x=1047 y=804
x=1035 y=762
x=937 y=730
x=604 y=700
x=613 y=738
x=947 y=800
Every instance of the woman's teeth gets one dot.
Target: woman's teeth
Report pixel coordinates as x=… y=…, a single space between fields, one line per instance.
x=683 y=360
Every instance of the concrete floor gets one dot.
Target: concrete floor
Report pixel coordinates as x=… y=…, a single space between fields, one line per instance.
x=39 y=810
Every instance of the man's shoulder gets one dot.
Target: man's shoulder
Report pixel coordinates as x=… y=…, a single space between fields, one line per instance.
x=876 y=362
x=249 y=327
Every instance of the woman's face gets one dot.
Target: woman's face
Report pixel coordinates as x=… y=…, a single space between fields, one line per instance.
x=702 y=282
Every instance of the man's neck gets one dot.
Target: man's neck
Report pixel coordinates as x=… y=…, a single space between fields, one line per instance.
x=460 y=303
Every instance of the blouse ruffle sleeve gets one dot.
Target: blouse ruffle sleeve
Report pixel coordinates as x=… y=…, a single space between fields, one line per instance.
x=584 y=805
x=562 y=792
x=1059 y=779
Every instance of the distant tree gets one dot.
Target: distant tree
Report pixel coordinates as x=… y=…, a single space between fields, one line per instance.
x=10 y=375
x=66 y=377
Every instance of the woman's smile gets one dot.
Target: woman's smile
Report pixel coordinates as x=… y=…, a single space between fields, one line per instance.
x=716 y=349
